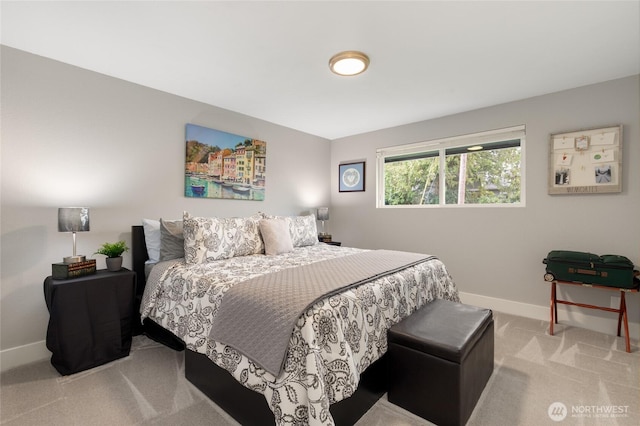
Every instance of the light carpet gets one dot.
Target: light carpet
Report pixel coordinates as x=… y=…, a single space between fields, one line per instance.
x=577 y=377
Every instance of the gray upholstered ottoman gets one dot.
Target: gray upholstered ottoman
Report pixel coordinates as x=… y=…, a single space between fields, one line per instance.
x=440 y=359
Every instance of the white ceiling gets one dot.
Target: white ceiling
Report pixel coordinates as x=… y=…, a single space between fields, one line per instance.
x=269 y=59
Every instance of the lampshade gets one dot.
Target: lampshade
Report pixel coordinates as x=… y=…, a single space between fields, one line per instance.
x=349 y=63
x=323 y=213
x=73 y=219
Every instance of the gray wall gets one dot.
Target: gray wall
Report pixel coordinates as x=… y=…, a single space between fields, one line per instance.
x=74 y=137
x=497 y=252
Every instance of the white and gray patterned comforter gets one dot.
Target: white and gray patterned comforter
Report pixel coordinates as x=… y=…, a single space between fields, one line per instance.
x=332 y=343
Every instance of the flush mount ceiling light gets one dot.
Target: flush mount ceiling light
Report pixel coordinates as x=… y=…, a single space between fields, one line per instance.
x=348 y=63
x=475 y=148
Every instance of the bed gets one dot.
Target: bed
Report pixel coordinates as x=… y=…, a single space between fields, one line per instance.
x=332 y=368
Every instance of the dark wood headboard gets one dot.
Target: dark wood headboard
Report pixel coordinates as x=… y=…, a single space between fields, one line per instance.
x=139 y=256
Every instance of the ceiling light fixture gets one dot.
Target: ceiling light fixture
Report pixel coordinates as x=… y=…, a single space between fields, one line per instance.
x=349 y=63
x=475 y=148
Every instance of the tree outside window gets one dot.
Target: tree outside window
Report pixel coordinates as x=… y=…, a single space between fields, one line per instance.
x=485 y=171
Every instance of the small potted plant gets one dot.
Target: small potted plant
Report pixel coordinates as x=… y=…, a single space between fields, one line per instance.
x=113 y=251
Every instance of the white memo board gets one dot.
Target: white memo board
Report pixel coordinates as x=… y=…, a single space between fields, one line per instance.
x=586 y=161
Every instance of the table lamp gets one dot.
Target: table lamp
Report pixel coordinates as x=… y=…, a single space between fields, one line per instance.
x=323 y=214
x=73 y=219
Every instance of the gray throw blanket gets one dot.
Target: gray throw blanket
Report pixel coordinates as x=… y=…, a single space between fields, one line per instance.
x=257 y=316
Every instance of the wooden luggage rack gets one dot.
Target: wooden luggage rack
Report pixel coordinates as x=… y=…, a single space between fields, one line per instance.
x=621 y=311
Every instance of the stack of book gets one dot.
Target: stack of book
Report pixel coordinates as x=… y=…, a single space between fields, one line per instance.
x=62 y=271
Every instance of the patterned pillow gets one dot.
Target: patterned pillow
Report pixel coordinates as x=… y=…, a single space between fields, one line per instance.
x=303 y=229
x=207 y=239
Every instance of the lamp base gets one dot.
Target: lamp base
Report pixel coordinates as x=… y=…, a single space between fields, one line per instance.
x=74 y=259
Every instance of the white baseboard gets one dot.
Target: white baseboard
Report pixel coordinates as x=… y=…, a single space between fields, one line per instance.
x=577 y=317
x=22 y=355
x=26 y=354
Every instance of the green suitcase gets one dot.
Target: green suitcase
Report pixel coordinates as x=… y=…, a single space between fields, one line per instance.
x=608 y=270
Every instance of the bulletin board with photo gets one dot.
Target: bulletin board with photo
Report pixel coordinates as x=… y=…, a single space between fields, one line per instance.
x=586 y=161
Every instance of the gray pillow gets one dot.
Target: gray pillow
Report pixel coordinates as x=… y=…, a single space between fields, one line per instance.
x=171 y=239
x=276 y=236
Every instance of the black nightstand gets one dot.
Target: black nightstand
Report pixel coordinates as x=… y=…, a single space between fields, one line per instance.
x=90 y=319
x=333 y=243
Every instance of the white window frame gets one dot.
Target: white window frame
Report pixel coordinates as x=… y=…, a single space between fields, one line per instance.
x=515 y=132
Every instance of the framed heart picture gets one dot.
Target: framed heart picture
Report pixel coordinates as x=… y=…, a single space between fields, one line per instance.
x=351 y=177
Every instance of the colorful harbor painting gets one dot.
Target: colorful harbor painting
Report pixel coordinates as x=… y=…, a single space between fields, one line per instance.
x=223 y=165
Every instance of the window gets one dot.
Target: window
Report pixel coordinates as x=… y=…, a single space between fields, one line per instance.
x=479 y=169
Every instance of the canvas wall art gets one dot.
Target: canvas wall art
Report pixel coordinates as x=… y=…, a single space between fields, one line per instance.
x=223 y=165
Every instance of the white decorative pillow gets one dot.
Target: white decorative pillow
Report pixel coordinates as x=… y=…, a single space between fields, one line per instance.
x=208 y=238
x=303 y=229
x=276 y=237
x=152 y=239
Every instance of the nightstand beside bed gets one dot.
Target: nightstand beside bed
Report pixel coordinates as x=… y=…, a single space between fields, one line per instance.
x=90 y=319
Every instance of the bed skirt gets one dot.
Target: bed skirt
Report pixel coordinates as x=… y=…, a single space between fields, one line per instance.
x=249 y=407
